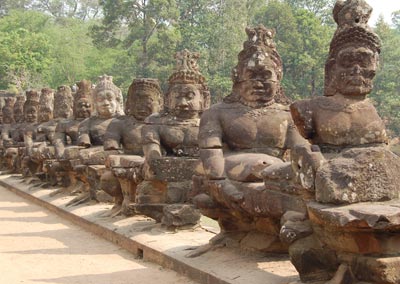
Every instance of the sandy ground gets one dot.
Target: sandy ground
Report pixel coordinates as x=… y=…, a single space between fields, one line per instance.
x=37 y=247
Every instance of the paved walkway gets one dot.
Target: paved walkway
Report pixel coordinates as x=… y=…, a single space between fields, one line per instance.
x=38 y=247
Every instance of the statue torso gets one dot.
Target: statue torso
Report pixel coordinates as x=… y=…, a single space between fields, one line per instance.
x=177 y=138
x=244 y=128
x=334 y=123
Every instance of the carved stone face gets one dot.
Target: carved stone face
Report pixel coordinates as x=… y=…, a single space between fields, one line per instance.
x=354 y=70
x=45 y=114
x=185 y=100
x=257 y=84
x=144 y=103
x=63 y=110
x=83 y=109
x=7 y=116
x=106 y=103
x=31 y=114
x=18 y=116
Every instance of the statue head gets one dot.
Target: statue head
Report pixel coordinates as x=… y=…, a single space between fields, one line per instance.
x=83 y=105
x=187 y=94
x=31 y=106
x=256 y=78
x=144 y=98
x=18 y=109
x=8 y=110
x=46 y=105
x=354 y=51
x=107 y=98
x=63 y=102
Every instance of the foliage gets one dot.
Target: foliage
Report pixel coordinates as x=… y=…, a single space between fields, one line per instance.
x=387 y=83
x=302 y=42
x=24 y=51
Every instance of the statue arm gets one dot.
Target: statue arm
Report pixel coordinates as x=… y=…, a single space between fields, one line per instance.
x=28 y=142
x=305 y=158
x=210 y=143
x=59 y=140
x=151 y=142
x=5 y=136
x=302 y=117
x=112 y=137
x=83 y=133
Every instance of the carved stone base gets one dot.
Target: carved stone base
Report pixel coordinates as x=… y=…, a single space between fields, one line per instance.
x=360 y=242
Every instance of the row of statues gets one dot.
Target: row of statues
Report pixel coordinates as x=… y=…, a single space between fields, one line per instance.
x=313 y=178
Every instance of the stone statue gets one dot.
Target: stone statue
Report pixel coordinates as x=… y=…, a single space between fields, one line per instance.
x=47 y=152
x=19 y=109
x=5 y=127
x=66 y=134
x=125 y=170
x=8 y=110
x=351 y=191
x=81 y=105
x=108 y=103
x=43 y=135
x=249 y=131
x=171 y=149
x=12 y=136
x=29 y=130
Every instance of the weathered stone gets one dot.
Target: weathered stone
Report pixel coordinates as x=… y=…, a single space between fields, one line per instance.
x=382 y=270
x=124 y=133
x=294 y=230
x=131 y=161
x=359 y=175
x=248 y=132
x=95 y=155
x=248 y=167
x=261 y=242
x=170 y=140
x=179 y=215
x=366 y=216
x=351 y=164
x=72 y=152
x=173 y=169
x=312 y=260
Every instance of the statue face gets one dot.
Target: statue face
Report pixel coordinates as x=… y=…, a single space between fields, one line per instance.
x=7 y=116
x=45 y=114
x=63 y=110
x=83 y=109
x=144 y=102
x=186 y=100
x=31 y=114
x=354 y=70
x=19 y=116
x=257 y=84
x=106 y=103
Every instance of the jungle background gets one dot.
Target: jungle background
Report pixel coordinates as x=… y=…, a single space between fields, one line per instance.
x=53 y=42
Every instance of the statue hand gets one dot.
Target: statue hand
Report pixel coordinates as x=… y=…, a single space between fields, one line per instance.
x=306 y=160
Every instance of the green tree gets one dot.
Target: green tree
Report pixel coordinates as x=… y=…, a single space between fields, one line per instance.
x=387 y=82
x=79 y=9
x=24 y=58
x=144 y=28
x=302 y=42
x=320 y=8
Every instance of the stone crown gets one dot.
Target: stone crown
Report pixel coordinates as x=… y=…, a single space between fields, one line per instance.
x=186 y=69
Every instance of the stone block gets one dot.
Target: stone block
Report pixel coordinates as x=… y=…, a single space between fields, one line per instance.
x=172 y=169
x=359 y=175
x=178 y=215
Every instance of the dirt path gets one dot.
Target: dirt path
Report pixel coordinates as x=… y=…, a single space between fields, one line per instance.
x=38 y=247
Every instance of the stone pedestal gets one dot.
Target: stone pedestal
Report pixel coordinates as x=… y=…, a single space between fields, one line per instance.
x=164 y=196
